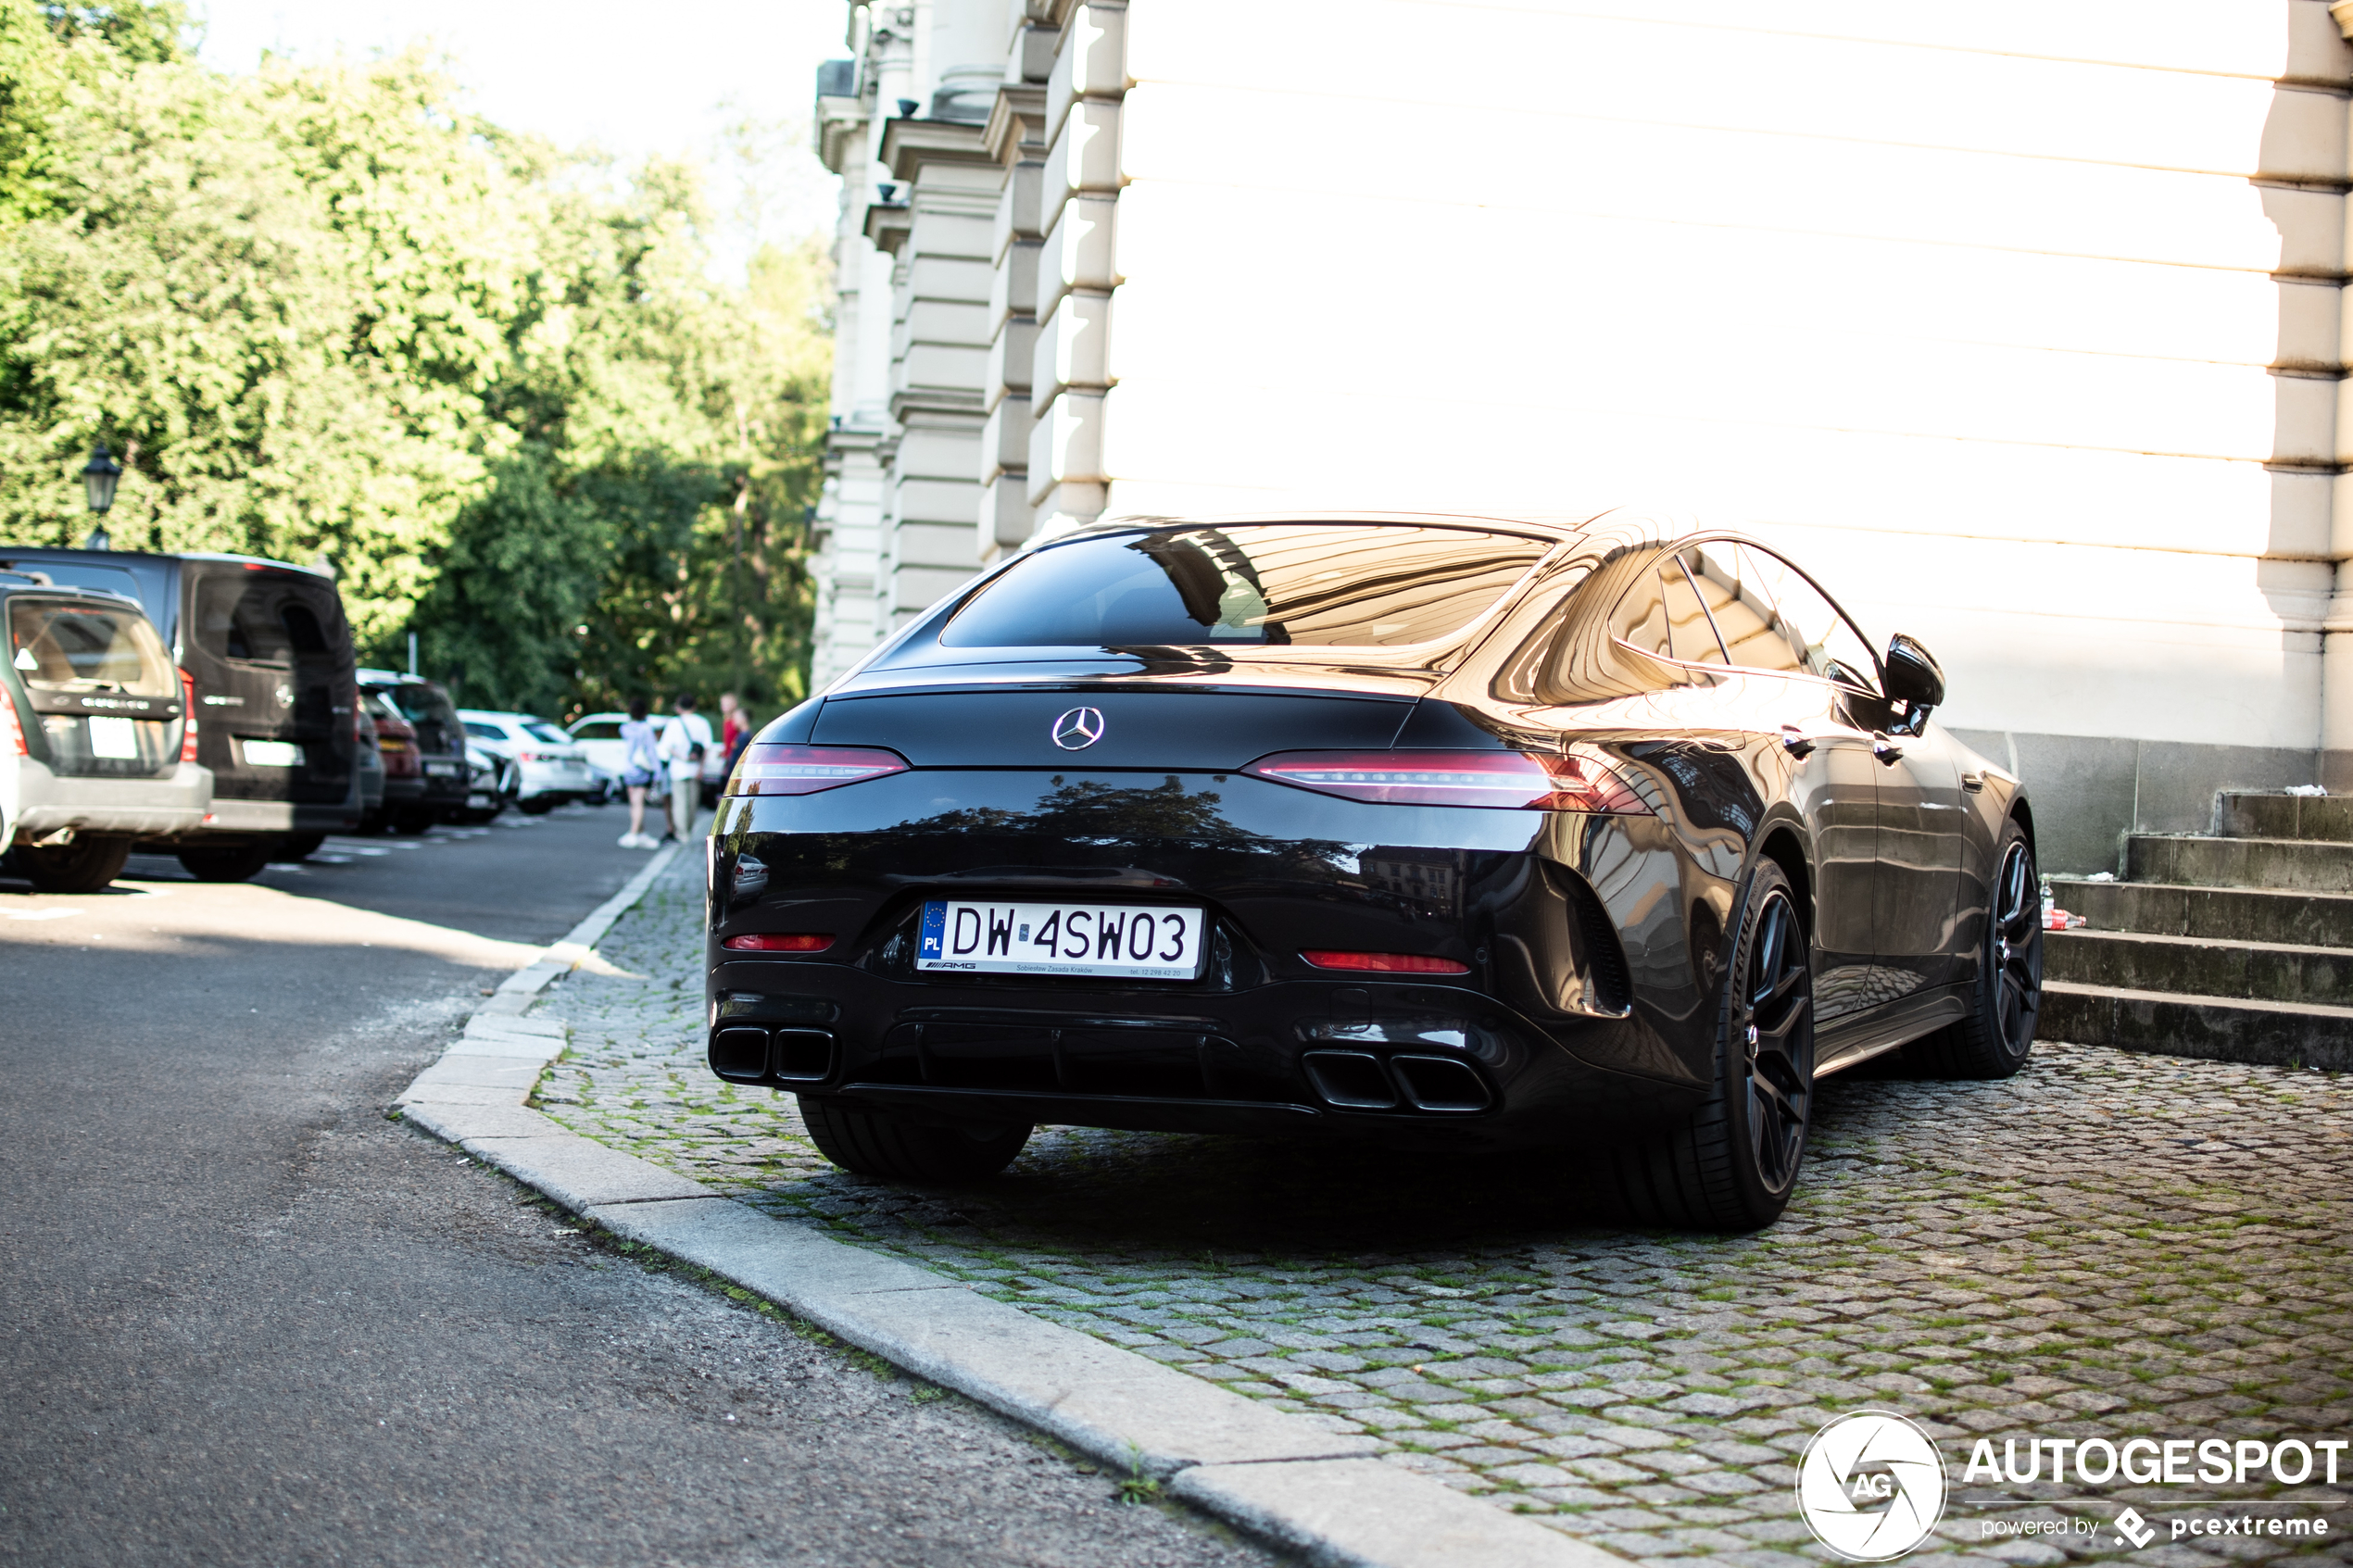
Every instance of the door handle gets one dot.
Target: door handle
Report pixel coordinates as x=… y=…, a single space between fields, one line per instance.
x=1973 y=782
x=1795 y=744
x=1886 y=750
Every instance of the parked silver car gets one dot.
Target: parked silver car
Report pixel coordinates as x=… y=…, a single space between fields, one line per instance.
x=95 y=748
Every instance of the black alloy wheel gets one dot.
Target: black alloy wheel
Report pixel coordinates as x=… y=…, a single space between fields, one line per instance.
x=1734 y=1164
x=1773 y=1021
x=2006 y=999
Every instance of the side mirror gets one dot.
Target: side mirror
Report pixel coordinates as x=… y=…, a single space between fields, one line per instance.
x=1914 y=678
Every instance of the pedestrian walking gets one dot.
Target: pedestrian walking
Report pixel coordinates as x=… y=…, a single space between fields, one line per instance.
x=640 y=767
x=684 y=738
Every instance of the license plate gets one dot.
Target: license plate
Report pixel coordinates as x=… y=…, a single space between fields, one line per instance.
x=441 y=769
x=271 y=754
x=113 y=737
x=1121 y=941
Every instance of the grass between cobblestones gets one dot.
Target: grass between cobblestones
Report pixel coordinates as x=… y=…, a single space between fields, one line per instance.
x=2108 y=1244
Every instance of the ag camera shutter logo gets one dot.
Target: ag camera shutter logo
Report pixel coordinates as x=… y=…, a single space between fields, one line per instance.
x=1871 y=1486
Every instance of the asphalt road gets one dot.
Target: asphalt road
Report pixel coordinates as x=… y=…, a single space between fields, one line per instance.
x=250 y=1321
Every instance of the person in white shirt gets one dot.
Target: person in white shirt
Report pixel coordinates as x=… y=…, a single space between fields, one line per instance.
x=685 y=739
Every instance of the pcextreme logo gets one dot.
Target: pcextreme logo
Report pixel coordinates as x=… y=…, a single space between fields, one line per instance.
x=1871 y=1486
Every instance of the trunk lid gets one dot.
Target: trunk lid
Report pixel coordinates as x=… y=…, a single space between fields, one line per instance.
x=1172 y=727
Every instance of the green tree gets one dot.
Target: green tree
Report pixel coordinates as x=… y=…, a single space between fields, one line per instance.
x=323 y=313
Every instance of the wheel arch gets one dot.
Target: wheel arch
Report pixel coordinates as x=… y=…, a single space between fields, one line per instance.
x=1782 y=846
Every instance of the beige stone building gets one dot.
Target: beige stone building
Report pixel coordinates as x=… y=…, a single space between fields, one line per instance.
x=2020 y=323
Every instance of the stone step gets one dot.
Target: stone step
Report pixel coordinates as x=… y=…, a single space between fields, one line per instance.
x=2272 y=971
x=2209 y=1028
x=2221 y=914
x=2302 y=865
x=2313 y=818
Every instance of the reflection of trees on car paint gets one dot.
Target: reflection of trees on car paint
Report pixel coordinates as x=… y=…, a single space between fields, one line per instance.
x=1090 y=814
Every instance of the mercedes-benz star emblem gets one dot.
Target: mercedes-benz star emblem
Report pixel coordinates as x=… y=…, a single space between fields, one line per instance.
x=1079 y=728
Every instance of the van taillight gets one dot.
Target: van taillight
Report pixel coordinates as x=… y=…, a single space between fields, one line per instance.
x=187 y=717
x=11 y=733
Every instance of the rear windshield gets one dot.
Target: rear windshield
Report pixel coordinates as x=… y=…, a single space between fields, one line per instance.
x=598 y=729
x=274 y=618
x=481 y=731
x=1303 y=584
x=429 y=707
x=539 y=729
x=60 y=646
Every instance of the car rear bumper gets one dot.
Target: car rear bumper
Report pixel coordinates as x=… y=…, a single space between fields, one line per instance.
x=1579 y=1008
x=46 y=803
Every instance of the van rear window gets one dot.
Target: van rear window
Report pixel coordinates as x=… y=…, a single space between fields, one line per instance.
x=1266 y=584
x=272 y=617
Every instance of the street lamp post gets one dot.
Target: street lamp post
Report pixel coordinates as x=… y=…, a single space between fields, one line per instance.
x=98 y=480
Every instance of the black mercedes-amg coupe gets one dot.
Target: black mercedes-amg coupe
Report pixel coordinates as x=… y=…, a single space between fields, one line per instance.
x=1450 y=832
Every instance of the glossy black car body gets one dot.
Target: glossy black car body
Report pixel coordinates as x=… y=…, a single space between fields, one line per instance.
x=1594 y=948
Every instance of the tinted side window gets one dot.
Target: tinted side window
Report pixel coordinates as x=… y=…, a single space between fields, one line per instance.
x=1773 y=618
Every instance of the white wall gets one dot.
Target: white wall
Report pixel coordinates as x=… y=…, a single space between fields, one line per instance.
x=1974 y=305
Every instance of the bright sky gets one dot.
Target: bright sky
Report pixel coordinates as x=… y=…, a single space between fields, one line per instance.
x=590 y=70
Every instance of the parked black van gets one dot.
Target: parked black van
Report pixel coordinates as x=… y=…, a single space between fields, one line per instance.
x=267 y=652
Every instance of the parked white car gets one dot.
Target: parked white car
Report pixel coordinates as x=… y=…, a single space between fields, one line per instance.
x=96 y=750
x=551 y=768
x=599 y=737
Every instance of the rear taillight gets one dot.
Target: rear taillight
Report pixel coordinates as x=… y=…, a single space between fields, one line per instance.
x=1520 y=781
x=187 y=717
x=778 y=942
x=11 y=733
x=1386 y=963
x=805 y=769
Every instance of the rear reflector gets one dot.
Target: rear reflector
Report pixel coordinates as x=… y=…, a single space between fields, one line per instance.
x=777 y=942
x=1387 y=963
x=1522 y=781
x=805 y=769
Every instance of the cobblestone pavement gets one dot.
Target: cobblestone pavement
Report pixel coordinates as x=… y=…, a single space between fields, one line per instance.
x=2109 y=1245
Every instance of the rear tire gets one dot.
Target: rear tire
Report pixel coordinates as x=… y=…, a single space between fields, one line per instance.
x=1995 y=1039
x=409 y=825
x=298 y=846
x=242 y=863
x=537 y=806
x=874 y=1143
x=86 y=865
x=1733 y=1165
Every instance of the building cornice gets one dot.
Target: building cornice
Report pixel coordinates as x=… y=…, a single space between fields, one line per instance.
x=887 y=224
x=961 y=406
x=908 y=144
x=1017 y=121
x=841 y=125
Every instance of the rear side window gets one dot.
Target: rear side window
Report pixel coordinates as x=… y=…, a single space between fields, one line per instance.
x=1772 y=618
x=1298 y=584
x=268 y=617
x=481 y=731
x=539 y=729
x=62 y=646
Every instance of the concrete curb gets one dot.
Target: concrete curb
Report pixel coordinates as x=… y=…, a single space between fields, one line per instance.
x=1279 y=1475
